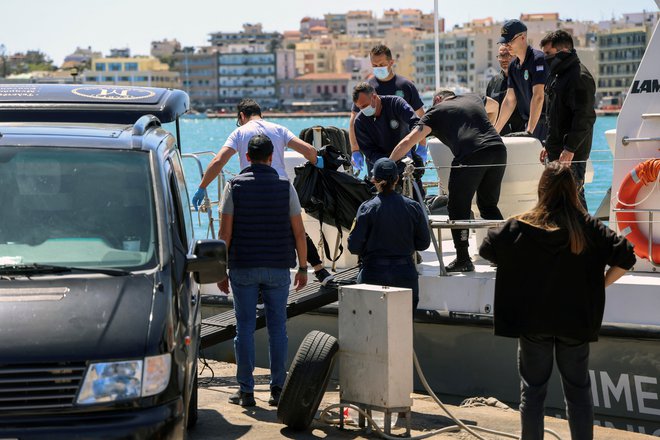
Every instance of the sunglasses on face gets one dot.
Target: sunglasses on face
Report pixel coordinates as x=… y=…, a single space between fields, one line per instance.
x=512 y=40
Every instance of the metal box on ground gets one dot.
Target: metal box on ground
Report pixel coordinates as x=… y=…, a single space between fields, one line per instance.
x=376 y=346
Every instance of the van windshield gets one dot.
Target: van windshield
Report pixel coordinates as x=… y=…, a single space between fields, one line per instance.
x=76 y=207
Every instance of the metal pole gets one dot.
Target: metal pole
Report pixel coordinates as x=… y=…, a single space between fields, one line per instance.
x=437 y=44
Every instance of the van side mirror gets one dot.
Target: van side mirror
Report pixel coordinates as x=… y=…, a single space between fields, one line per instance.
x=208 y=263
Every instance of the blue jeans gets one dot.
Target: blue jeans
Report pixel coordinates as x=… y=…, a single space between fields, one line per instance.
x=535 y=359
x=274 y=287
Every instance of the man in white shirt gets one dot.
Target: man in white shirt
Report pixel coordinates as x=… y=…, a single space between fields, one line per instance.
x=250 y=123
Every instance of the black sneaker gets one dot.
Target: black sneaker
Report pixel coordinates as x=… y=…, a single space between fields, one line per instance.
x=242 y=398
x=323 y=276
x=275 y=394
x=460 y=266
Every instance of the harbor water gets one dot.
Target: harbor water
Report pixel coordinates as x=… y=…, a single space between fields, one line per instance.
x=204 y=134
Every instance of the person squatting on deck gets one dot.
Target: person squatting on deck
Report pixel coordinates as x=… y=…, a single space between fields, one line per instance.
x=387 y=230
x=263 y=228
x=382 y=122
x=497 y=88
x=465 y=126
x=250 y=123
x=550 y=294
x=526 y=80
x=386 y=82
x=570 y=95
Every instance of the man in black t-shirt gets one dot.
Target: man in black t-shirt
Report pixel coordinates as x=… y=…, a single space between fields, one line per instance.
x=386 y=82
x=497 y=87
x=463 y=125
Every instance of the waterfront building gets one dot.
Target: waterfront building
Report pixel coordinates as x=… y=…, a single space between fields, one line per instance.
x=360 y=23
x=247 y=70
x=285 y=63
x=307 y=23
x=402 y=42
x=317 y=92
x=336 y=23
x=198 y=69
x=131 y=71
x=619 y=53
x=164 y=49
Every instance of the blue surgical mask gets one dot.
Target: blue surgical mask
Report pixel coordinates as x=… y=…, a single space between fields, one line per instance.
x=369 y=111
x=381 y=72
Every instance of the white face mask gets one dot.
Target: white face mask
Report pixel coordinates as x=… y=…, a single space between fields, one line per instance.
x=369 y=111
x=381 y=72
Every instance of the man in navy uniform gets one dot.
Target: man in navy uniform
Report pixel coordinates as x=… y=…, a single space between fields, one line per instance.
x=526 y=81
x=497 y=87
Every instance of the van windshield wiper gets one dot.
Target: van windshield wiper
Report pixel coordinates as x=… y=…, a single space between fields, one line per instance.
x=35 y=268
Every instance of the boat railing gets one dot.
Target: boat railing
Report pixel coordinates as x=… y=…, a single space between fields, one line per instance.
x=207 y=205
x=411 y=189
x=649 y=221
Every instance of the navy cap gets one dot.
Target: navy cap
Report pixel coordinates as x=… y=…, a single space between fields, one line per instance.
x=510 y=29
x=260 y=146
x=385 y=169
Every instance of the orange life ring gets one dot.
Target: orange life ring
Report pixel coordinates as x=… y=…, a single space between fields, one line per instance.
x=644 y=173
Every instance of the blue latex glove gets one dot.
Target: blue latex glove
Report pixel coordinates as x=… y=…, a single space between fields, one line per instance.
x=358 y=160
x=198 y=198
x=319 y=162
x=423 y=152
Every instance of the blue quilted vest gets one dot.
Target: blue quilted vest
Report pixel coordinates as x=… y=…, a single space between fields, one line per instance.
x=261 y=235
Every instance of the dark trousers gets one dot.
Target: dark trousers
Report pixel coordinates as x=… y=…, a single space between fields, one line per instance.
x=535 y=359
x=313 y=257
x=482 y=179
x=394 y=274
x=579 y=170
x=541 y=129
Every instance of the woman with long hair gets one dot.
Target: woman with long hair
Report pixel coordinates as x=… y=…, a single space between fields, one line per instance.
x=550 y=294
x=388 y=229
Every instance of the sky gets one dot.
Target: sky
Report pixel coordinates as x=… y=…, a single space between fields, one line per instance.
x=58 y=27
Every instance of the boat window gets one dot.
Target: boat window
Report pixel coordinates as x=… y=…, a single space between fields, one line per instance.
x=76 y=207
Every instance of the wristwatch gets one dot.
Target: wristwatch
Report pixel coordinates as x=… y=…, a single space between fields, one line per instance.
x=302 y=269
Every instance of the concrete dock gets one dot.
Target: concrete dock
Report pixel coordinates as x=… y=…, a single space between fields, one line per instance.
x=219 y=419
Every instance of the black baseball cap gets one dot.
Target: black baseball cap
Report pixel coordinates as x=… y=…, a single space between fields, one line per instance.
x=385 y=169
x=260 y=147
x=510 y=29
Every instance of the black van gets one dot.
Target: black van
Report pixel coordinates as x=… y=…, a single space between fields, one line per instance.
x=99 y=270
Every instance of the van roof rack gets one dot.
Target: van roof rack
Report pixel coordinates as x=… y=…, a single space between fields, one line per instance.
x=89 y=103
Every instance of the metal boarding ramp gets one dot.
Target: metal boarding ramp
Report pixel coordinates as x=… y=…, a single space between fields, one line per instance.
x=222 y=327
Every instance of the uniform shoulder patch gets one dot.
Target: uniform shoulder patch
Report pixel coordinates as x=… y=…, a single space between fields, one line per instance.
x=540 y=68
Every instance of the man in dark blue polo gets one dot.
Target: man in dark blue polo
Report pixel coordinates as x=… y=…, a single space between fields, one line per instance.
x=526 y=82
x=386 y=82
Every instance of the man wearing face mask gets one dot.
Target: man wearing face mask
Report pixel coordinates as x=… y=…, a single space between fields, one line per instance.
x=497 y=87
x=386 y=82
x=570 y=97
x=382 y=122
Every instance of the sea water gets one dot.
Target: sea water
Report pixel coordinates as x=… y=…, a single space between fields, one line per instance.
x=204 y=134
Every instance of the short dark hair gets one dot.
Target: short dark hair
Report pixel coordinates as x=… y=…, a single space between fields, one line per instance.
x=558 y=39
x=248 y=107
x=444 y=93
x=363 y=87
x=260 y=147
x=381 y=49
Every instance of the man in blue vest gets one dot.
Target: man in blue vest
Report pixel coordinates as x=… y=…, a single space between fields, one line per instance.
x=262 y=225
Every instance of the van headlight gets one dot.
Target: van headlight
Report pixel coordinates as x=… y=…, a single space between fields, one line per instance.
x=122 y=380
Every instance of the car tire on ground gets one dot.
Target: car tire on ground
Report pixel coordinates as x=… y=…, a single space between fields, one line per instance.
x=307 y=380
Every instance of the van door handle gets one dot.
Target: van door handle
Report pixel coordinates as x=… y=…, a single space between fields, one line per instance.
x=193 y=299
